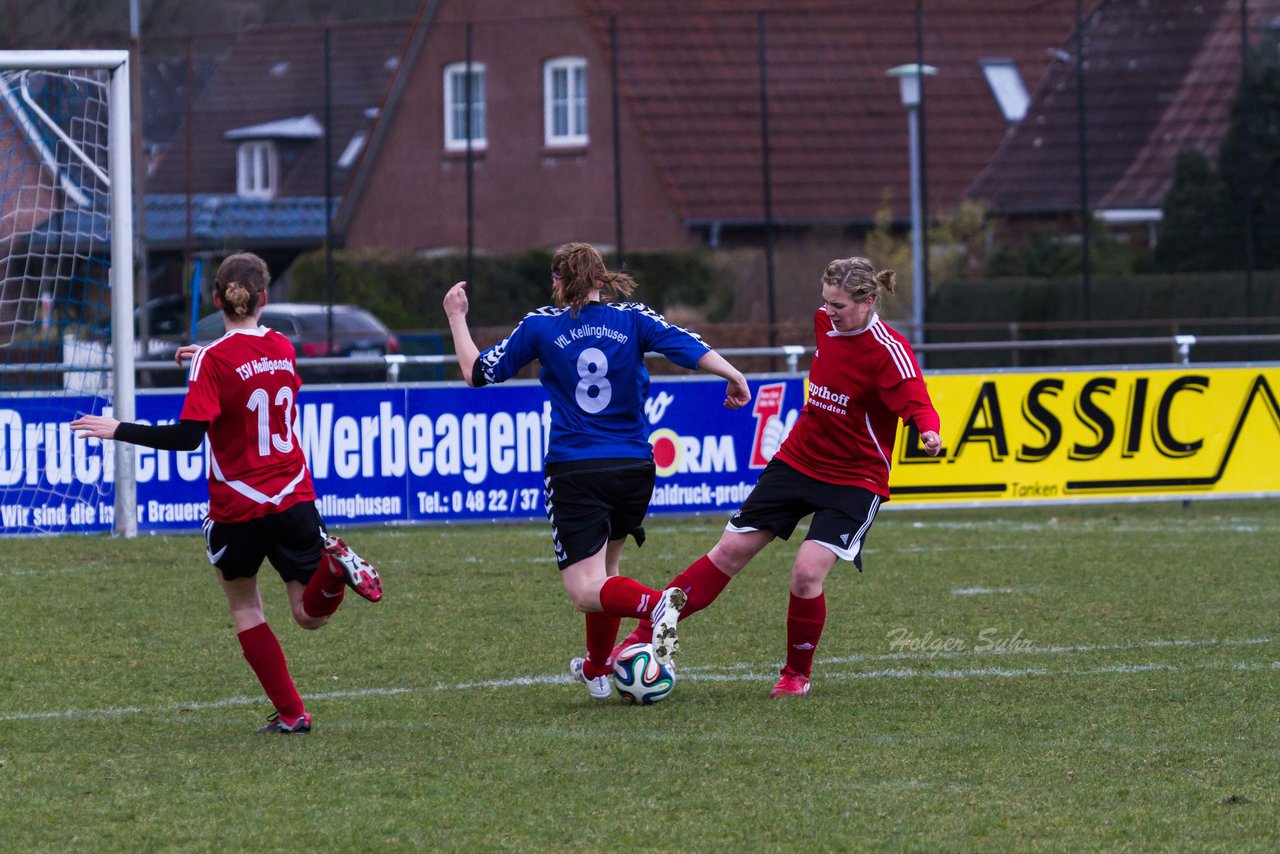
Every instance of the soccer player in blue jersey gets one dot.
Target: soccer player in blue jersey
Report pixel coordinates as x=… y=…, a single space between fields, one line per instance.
x=599 y=472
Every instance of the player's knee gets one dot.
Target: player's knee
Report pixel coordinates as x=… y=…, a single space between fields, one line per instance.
x=585 y=601
x=806 y=582
x=806 y=588
x=733 y=552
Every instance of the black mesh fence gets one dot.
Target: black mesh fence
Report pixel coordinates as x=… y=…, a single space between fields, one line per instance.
x=1099 y=165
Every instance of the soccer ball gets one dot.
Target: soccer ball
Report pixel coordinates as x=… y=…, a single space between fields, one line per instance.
x=639 y=678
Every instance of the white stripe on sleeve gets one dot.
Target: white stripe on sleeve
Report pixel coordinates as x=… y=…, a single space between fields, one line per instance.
x=906 y=368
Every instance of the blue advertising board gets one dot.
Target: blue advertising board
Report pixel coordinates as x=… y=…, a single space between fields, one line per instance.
x=406 y=454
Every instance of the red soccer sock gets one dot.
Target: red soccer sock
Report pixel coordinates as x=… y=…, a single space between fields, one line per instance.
x=263 y=652
x=703 y=581
x=625 y=597
x=602 y=632
x=805 y=619
x=642 y=633
x=324 y=591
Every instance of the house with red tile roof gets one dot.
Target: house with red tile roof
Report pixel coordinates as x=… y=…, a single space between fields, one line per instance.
x=246 y=167
x=693 y=78
x=1157 y=78
x=673 y=156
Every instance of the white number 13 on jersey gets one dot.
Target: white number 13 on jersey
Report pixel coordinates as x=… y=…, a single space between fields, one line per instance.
x=259 y=405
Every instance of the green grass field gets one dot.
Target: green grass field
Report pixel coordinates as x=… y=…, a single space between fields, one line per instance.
x=1100 y=677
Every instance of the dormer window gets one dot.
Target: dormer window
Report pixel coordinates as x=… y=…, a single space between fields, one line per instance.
x=564 y=99
x=257 y=168
x=258 y=155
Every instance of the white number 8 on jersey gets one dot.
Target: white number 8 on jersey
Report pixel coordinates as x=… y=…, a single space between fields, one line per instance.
x=594 y=391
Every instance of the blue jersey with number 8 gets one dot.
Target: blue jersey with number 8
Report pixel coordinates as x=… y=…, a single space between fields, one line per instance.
x=593 y=369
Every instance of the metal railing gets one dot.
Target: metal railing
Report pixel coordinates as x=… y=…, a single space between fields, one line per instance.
x=1180 y=346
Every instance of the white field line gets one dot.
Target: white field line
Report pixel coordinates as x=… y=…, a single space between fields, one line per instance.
x=116 y=712
x=62 y=570
x=1035 y=650
x=1234 y=526
x=747 y=672
x=958 y=547
x=988 y=672
x=752 y=673
x=714 y=672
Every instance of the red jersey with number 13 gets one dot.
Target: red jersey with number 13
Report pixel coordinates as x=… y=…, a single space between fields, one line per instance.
x=245 y=384
x=860 y=384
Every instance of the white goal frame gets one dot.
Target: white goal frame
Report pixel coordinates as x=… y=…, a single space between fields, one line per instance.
x=120 y=279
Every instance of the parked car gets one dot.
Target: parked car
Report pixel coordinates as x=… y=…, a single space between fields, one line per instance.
x=168 y=316
x=169 y=329
x=356 y=333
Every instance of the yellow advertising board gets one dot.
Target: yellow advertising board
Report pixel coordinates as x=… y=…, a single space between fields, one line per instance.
x=1100 y=434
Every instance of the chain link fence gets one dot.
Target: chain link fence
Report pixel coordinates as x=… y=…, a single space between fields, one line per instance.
x=1074 y=143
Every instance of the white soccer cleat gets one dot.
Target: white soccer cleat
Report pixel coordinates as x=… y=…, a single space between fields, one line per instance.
x=599 y=687
x=665 y=615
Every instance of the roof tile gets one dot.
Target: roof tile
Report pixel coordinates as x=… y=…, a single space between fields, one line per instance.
x=278 y=73
x=837 y=130
x=1159 y=77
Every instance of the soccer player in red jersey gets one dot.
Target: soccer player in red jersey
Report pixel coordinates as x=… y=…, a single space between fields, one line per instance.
x=241 y=392
x=834 y=464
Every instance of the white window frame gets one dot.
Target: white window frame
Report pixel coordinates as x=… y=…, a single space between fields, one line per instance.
x=257 y=169
x=571 y=105
x=455 y=110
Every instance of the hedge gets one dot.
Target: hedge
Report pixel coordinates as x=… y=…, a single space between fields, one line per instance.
x=406 y=291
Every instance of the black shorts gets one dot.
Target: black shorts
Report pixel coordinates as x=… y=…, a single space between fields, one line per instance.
x=842 y=514
x=591 y=502
x=292 y=540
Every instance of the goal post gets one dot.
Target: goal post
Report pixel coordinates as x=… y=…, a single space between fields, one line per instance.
x=67 y=343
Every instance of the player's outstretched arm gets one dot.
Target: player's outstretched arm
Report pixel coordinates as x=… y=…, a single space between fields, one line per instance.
x=455 y=308
x=738 y=394
x=186 y=435
x=95 y=427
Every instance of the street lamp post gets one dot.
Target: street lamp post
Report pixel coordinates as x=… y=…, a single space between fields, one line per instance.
x=909 y=80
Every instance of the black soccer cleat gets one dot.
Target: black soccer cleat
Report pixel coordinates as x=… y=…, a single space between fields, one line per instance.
x=275 y=723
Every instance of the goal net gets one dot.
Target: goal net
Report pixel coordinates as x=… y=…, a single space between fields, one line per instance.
x=66 y=290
